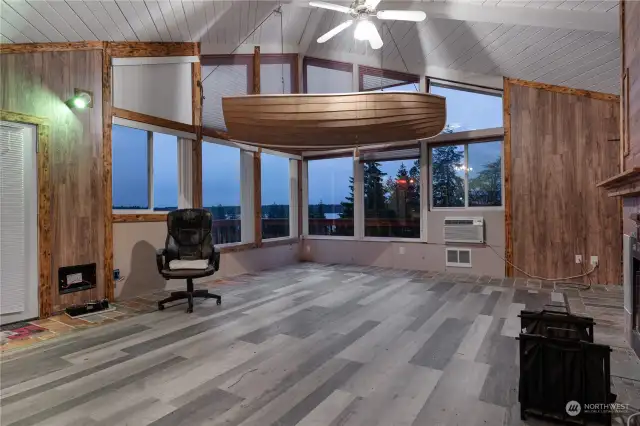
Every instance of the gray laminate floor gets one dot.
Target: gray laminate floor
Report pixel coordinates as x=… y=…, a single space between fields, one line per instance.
x=304 y=345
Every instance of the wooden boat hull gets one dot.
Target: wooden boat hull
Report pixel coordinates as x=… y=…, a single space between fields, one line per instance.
x=307 y=122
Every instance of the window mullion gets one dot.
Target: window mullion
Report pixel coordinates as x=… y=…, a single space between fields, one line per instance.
x=424 y=189
x=150 y=168
x=358 y=198
x=466 y=175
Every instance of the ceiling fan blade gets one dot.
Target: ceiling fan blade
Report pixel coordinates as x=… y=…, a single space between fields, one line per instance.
x=375 y=41
x=330 y=6
x=328 y=35
x=402 y=15
x=371 y=4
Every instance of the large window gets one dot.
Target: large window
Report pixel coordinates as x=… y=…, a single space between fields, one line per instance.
x=468 y=175
x=165 y=172
x=392 y=198
x=278 y=74
x=275 y=196
x=223 y=76
x=322 y=76
x=221 y=190
x=469 y=109
x=130 y=171
x=145 y=170
x=375 y=79
x=331 y=196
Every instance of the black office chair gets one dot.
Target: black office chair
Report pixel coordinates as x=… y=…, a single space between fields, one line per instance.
x=188 y=238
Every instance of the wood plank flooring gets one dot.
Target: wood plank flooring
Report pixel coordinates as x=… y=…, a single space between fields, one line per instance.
x=308 y=345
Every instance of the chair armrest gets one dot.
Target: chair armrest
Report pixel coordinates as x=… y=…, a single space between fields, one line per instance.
x=160 y=259
x=215 y=258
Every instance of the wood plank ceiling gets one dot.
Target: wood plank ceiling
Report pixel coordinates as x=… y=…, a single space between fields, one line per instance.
x=580 y=58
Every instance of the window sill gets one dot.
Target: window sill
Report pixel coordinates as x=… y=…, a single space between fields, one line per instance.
x=272 y=242
x=392 y=240
x=329 y=237
x=235 y=247
x=282 y=241
x=471 y=209
x=139 y=217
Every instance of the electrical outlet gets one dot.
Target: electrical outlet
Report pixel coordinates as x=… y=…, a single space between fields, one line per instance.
x=578 y=258
x=308 y=248
x=594 y=260
x=401 y=250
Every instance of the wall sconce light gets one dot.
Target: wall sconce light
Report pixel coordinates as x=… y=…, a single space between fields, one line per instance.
x=81 y=99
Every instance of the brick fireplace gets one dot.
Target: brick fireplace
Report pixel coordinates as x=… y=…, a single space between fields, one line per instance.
x=632 y=290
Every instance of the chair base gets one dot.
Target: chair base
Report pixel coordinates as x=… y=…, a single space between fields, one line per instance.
x=189 y=295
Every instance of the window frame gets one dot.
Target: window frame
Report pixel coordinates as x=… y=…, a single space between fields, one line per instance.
x=221 y=60
x=286 y=59
x=383 y=73
x=358 y=194
x=466 y=144
x=293 y=193
x=183 y=168
x=357 y=189
x=323 y=63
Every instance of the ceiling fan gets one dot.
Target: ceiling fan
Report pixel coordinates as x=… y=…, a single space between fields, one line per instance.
x=360 y=11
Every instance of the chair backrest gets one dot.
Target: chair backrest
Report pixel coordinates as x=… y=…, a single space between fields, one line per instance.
x=189 y=234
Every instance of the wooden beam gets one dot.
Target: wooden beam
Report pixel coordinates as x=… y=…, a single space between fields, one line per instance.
x=128 y=49
x=257 y=163
x=300 y=189
x=196 y=157
x=50 y=47
x=508 y=219
x=143 y=217
x=107 y=202
x=256 y=70
x=565 y=90
x=155 y=121
x=295 y=71
x=44 y=222
x=45 y=302
x=257 y=197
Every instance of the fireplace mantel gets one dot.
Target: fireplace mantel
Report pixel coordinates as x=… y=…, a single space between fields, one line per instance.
x=625 y=184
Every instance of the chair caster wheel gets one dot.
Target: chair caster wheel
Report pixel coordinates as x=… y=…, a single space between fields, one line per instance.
x=219 y=302
x=160 y=307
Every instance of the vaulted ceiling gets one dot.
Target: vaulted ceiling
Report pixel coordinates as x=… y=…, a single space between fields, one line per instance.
x=573 y=43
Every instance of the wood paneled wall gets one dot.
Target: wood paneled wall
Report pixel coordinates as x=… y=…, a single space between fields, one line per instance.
x=559 y=150
x=38 y=84
x=630 y=36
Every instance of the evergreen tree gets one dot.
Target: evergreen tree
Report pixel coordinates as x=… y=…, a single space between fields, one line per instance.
x=347 y=206
x=448 y=186
x=374 y=190
x=320 y=211
x=485 y=188
x=402 y=172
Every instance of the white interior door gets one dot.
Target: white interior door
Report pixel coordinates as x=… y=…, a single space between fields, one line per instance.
x=18 y=223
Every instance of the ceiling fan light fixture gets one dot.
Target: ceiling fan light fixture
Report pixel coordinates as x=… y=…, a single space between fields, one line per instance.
x=365 y=30
x=402 y=15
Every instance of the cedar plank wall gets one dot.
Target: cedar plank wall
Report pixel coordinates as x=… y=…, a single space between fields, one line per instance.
x=559 y=151
x=38 y=84
x=631 y=57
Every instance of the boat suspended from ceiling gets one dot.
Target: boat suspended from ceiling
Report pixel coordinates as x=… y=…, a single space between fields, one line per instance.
x=332 y=121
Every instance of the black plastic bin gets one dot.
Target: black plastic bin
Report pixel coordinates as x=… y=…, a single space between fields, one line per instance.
x=557 y=324
x=555 y=370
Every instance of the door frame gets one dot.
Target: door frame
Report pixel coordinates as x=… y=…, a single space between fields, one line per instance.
x=43 y=128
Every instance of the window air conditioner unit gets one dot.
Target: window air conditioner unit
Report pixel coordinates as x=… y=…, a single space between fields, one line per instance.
x=464 y=230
